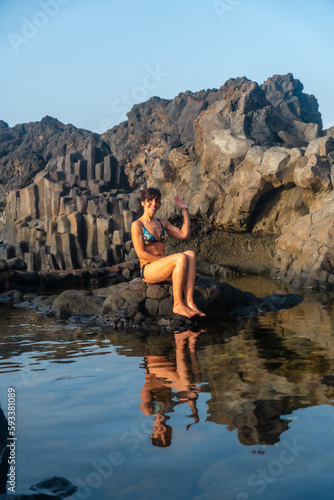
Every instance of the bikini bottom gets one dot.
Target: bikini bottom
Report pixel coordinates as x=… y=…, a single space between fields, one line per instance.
x=142 y=270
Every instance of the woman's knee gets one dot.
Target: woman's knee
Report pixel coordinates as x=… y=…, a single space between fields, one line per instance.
x=181 y=258
x=190 y=254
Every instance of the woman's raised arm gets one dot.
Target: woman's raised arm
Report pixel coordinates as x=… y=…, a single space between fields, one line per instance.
x=184 y=232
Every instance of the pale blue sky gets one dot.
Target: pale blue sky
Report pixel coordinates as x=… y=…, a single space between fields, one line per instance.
x=86 y=62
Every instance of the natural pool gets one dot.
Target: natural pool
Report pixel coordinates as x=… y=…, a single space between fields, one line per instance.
x=243 y=410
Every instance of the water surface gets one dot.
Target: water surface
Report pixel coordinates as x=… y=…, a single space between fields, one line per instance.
x=242 y=410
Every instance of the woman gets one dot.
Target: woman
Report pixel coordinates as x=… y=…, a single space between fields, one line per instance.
x=149 y=235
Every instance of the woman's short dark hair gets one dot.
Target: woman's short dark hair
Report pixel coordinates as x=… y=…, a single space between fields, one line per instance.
x=166 y=439
x=150 y=194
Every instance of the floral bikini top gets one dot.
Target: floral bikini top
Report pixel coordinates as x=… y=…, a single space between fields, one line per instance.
x=149 y=238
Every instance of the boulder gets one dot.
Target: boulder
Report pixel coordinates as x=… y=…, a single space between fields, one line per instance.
x=69 y=302
x=313 y=173
x=321 y=146
x=145 y=306
x=275 y=165
x=286 y=93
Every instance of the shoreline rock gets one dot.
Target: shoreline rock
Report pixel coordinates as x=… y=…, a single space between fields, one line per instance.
x=134 y=304
x=14 y=277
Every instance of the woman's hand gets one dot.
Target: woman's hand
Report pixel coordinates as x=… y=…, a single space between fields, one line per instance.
x=180 y=203
x=175 y=232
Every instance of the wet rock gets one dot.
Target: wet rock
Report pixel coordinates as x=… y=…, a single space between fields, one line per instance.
x=11 y=296
x=68 y=301
x=30 y=296
x=44 y=304
x=86 y=306
x=80 y=320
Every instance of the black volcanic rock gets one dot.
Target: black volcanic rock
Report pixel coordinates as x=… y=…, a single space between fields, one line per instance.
x=277 y=112
x=26 y=149
x=135 y=304
x=157 y=124
x=286 y=93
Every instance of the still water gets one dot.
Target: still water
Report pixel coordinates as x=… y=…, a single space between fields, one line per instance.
x=241 y=411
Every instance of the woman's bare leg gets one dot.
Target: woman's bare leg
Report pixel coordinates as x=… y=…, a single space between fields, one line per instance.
x=173 y=267
x=190 y=282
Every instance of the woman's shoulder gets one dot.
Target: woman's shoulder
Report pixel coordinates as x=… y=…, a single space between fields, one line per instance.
x=137 y=223
x=163 y=221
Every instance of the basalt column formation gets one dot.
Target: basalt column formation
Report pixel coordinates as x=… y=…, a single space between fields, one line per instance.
x=76 y=213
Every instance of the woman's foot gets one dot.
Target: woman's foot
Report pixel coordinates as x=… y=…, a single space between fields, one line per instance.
x=187 y=335
x=192 y=306
x=183 y=310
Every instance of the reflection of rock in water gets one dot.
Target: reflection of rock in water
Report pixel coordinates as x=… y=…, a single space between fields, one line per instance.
x=264 y=426
x=4 y=452
x=271 y=369
x=56 y=485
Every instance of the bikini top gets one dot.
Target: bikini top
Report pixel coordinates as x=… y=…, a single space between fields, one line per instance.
x=149 y=238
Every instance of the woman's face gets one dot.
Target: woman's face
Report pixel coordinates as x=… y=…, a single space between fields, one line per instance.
x=151 y=206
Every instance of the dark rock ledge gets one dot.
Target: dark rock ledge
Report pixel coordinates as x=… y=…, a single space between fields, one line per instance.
x=14 y=276
x=136 y=305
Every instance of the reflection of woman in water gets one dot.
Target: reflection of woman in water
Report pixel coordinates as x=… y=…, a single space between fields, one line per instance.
x=149 y=235
x=164 y=378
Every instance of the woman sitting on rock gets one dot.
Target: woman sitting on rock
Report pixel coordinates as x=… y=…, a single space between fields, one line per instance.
x=149 y=235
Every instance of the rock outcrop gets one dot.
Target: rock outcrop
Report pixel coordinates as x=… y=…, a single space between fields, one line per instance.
x=15 y=280
x=26 y=149
x=75 y=212
x=251 y=161
x=137 y=305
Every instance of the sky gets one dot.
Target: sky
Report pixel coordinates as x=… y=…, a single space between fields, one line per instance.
x=87 y=62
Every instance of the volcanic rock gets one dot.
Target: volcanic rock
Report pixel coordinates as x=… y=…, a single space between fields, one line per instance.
x=251 y=161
